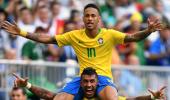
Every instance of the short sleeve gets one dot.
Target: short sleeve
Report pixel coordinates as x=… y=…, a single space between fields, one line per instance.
x=64 y=39
x=118 y=37
x=121 y=98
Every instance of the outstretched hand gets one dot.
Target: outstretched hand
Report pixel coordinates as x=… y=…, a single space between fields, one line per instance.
x=155 y=24
x=20 y=82
x=158 y=94
x=10 y=27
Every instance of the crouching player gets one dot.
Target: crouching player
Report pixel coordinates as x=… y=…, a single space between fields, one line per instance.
x=87 y=91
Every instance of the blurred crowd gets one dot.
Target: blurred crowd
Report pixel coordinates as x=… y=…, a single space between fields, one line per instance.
x=59 y=16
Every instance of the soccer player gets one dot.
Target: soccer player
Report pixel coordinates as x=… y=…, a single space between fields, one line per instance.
x=89 y=85
x=93 y=47
x=18 y=93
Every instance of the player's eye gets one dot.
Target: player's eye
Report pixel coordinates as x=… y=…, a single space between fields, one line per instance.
x=85 y=81
x=87 y=15
x=93 y=15
x=92 y=81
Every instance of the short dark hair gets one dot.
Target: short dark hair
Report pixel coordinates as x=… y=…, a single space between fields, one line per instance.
x=25 y=8
x=2 y=11
x=89 y=71
x=18 y=88
x=53 y=3
x=91 y=5
x=40 y=29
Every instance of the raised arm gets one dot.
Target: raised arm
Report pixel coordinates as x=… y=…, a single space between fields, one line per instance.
x=39 y=37
x=154 y=24
x=154 y=95
x=40 y=92
x=148 y=97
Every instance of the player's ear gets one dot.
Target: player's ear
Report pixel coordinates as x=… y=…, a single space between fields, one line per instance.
x=100 y=21
x=81 y=83
x=99 y=18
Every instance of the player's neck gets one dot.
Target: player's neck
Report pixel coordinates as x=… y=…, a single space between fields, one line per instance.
x=92 y=33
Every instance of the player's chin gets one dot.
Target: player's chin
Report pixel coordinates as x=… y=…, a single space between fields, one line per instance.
x=90 y=94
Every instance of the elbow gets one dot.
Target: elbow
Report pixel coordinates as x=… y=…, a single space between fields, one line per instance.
x=138 y=39
x=135 y=40
x=132 y=38
x=44 y=41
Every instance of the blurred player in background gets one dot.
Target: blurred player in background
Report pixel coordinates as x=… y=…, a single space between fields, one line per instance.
x=18 y=93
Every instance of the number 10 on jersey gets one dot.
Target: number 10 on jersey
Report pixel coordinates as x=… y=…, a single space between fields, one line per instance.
x=91 y=52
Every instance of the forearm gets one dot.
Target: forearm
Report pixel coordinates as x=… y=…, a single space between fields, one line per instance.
x=41 y=37
x=148 y=97
x=42 y=93
x=137 y=36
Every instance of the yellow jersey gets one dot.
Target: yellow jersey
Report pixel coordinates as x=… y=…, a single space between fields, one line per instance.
x=121 y=98
x=93 y=52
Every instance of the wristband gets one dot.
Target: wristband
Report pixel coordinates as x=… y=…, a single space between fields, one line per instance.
x=28 y=85
x=23 y=33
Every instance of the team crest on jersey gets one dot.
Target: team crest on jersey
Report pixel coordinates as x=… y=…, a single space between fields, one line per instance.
x=100 y=40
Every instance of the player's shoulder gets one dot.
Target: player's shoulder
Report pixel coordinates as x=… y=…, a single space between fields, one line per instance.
x=121 y=98
x=77 y=31
x=105 y=30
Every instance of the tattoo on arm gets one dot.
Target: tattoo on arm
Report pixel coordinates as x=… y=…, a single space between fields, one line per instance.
x=42 y=37
x=42 y=93
x=137 y=36
x=148 y=97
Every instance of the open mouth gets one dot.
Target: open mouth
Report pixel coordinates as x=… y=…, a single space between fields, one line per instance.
x=89 y=23
x=89 y=91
